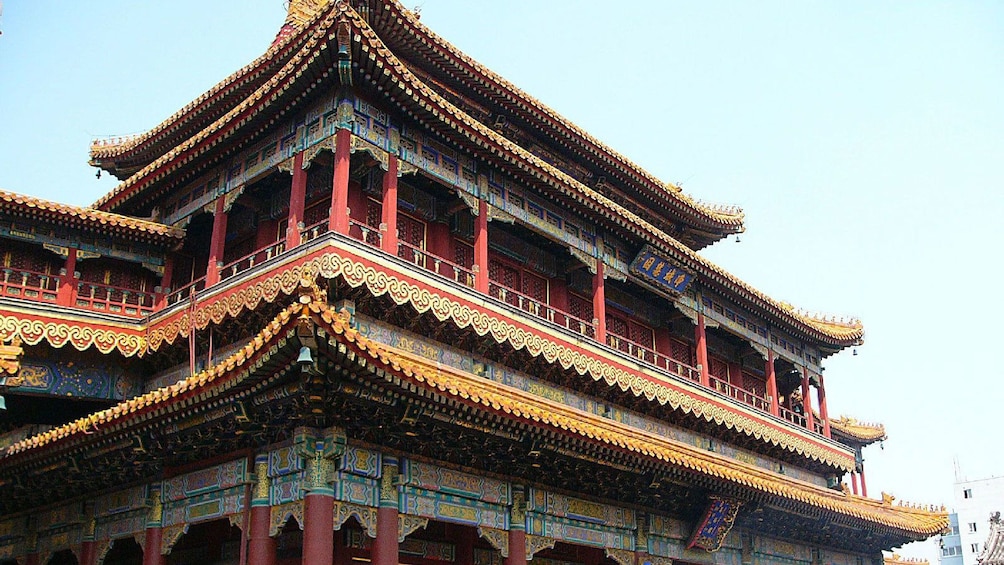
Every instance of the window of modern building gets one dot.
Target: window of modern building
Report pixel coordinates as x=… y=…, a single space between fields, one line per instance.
x=972 y=527
x=968 y=493
x=975 y=547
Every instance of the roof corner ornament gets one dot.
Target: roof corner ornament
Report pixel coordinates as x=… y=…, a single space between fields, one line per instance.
x=344 y=37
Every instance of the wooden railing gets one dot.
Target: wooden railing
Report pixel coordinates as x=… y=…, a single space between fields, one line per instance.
x=185 y=292
x=249 y=261
x=435 y=263
x=113 y=299
x=652 y=357
x=29 y=285
x=740 y=394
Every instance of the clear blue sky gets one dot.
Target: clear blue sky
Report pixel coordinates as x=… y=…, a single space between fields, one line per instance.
x=865 y=140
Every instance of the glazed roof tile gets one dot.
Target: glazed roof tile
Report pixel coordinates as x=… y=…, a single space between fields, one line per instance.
x=118 y=147
x=731 y=216
x=993 y=547
x=489 y=395
x=86 y=217
x=863 y=431
x=837 y=332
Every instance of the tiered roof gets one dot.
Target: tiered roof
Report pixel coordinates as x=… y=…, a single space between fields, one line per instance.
x=856 y=431
x=912 y=522
x=303 y=71
x=993 y=548
x=37 y=209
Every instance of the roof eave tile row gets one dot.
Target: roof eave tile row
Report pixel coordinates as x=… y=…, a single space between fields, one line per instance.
x=826 y=331
x=911 y=521
x=89 y=218
x=104 y=152
x=730 y=219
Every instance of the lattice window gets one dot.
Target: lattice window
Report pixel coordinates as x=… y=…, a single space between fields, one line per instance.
x=463 y=254
x=755 y=384
x=412 y=232
x=580 y=307
x=718 y=368
x=641 y=334
x=506 y=278
x=374 y=214
x=317 y=213
x=682 y=352
x=618 y=327
x=535 y=287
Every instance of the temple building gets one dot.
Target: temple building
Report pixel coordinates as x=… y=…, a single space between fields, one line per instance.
x=366 y=301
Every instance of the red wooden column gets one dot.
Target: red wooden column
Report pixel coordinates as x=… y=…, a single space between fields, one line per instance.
x=864 y=485
x=772 y=384
x=261 y=546
x=67 y=293
x=318 y=510
x=31 y=558
x=465 y=547
x=165 y=282
x=821 y=400
x=88 y=556
x=385 y=546
x=854 y=482
x=481 y=248
x=154 y=533
x=517 y=529
x=701 y=339
x=600 y=302
x=297 y=200
x=338 y=216
x=641 y=541
x=216 y=243
x=807 y=401
x=388 y=224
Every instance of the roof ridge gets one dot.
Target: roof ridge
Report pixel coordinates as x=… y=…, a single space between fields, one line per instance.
x=733 y=212
x=89 y=213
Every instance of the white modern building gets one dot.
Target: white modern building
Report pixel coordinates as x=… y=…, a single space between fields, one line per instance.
x=975 y=501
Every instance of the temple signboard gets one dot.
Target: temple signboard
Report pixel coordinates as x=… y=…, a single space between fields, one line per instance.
x=659 y=272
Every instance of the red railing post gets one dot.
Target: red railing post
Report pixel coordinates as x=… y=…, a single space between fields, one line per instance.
x=388 y=224
x=297 y=198
x=66 y=295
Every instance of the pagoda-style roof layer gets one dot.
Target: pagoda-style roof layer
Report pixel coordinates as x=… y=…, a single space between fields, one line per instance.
x=123 y=156
x=90 y=219
x=860 y=432
x=896 y=559
x=480 y=393
x=993 y=548
x=393 y=18
x=300 y=74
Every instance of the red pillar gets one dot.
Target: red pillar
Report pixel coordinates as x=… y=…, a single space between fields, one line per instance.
x=216 y=243
x=465 y=546
x=318 y=526
x=297 y=198
x=261 y=546
x=87 y=552
x=821 y=399
x=772 y=384
x=338 y=216
x=481 y=248
x=807 y=401
x=165 y=281
x=389 y=221
x=864 y=485
x=600 y=303
x=854 y=482
x=517 y=529
x=151 y=548
x=31 y=559
x=385 y=546
x=701 y=339
x=67 y=293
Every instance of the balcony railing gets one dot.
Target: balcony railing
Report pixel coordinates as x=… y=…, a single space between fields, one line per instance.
x=29 y=285
x=249 y=261
x=436 y=264
x=652 y=357
x=740 y=394
x=186 y=292
x=113 y=299
x=38 y=286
